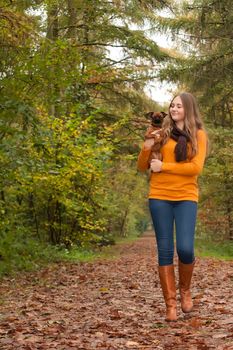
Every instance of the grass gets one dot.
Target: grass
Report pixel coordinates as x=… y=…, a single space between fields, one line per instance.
x=128 y=239
x=88 y=255
x=215 y=249
x=27 y=254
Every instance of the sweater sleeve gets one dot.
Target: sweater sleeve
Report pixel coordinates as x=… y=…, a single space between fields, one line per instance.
x=143 y=158
x=195 y=165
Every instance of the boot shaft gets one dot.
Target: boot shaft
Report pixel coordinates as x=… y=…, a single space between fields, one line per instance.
x=185 y=275
x=167 y=280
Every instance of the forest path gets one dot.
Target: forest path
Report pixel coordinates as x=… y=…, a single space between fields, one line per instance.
x=115 y=304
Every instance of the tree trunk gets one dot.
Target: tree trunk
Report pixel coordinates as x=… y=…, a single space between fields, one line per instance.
x=230 y=219
x=52 y=22
x=53 y=34
x=122 y=229
x=72 y=19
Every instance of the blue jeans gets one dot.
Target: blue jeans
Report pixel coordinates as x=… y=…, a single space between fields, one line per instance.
x=164 y=214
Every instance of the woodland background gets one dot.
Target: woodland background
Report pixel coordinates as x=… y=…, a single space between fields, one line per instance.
x=72 y=118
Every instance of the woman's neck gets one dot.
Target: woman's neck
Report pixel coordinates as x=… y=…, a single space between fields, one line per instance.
x=180 y=124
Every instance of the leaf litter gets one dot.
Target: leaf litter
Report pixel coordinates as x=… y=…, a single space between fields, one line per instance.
x=115 y=305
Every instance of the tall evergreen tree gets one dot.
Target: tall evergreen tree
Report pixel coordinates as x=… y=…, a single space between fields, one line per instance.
x=203 y=30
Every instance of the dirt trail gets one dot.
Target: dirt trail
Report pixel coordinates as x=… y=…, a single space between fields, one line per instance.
x=115 y=304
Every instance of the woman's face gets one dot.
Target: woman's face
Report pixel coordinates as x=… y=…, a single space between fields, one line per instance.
x=177 y=112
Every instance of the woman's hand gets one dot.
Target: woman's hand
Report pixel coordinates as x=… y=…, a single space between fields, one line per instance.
x=156 y=165
x=149 y=143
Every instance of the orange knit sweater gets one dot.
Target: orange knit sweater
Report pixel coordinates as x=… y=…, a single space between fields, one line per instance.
x=176 y=181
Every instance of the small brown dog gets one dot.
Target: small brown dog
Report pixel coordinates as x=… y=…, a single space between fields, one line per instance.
x=156 y=119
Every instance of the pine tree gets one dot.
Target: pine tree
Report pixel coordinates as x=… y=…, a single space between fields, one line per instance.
x=203 y=28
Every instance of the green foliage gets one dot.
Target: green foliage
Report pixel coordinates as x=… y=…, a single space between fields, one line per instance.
x=217 y=184
x=205 y=35
x=20 y=251
x=203 y=31
x=214 y=249
x=127 y=214
x=71 y=119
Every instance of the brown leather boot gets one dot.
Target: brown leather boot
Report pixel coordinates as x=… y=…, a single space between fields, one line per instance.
x=185 y=276
x=167 y=280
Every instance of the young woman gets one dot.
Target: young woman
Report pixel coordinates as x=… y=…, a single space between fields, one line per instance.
x=173 y=196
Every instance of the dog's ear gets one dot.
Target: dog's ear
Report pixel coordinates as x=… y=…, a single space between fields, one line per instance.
x=149 y=115
x=163 y=114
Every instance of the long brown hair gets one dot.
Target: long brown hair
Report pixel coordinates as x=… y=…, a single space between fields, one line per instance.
x=192 y=120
